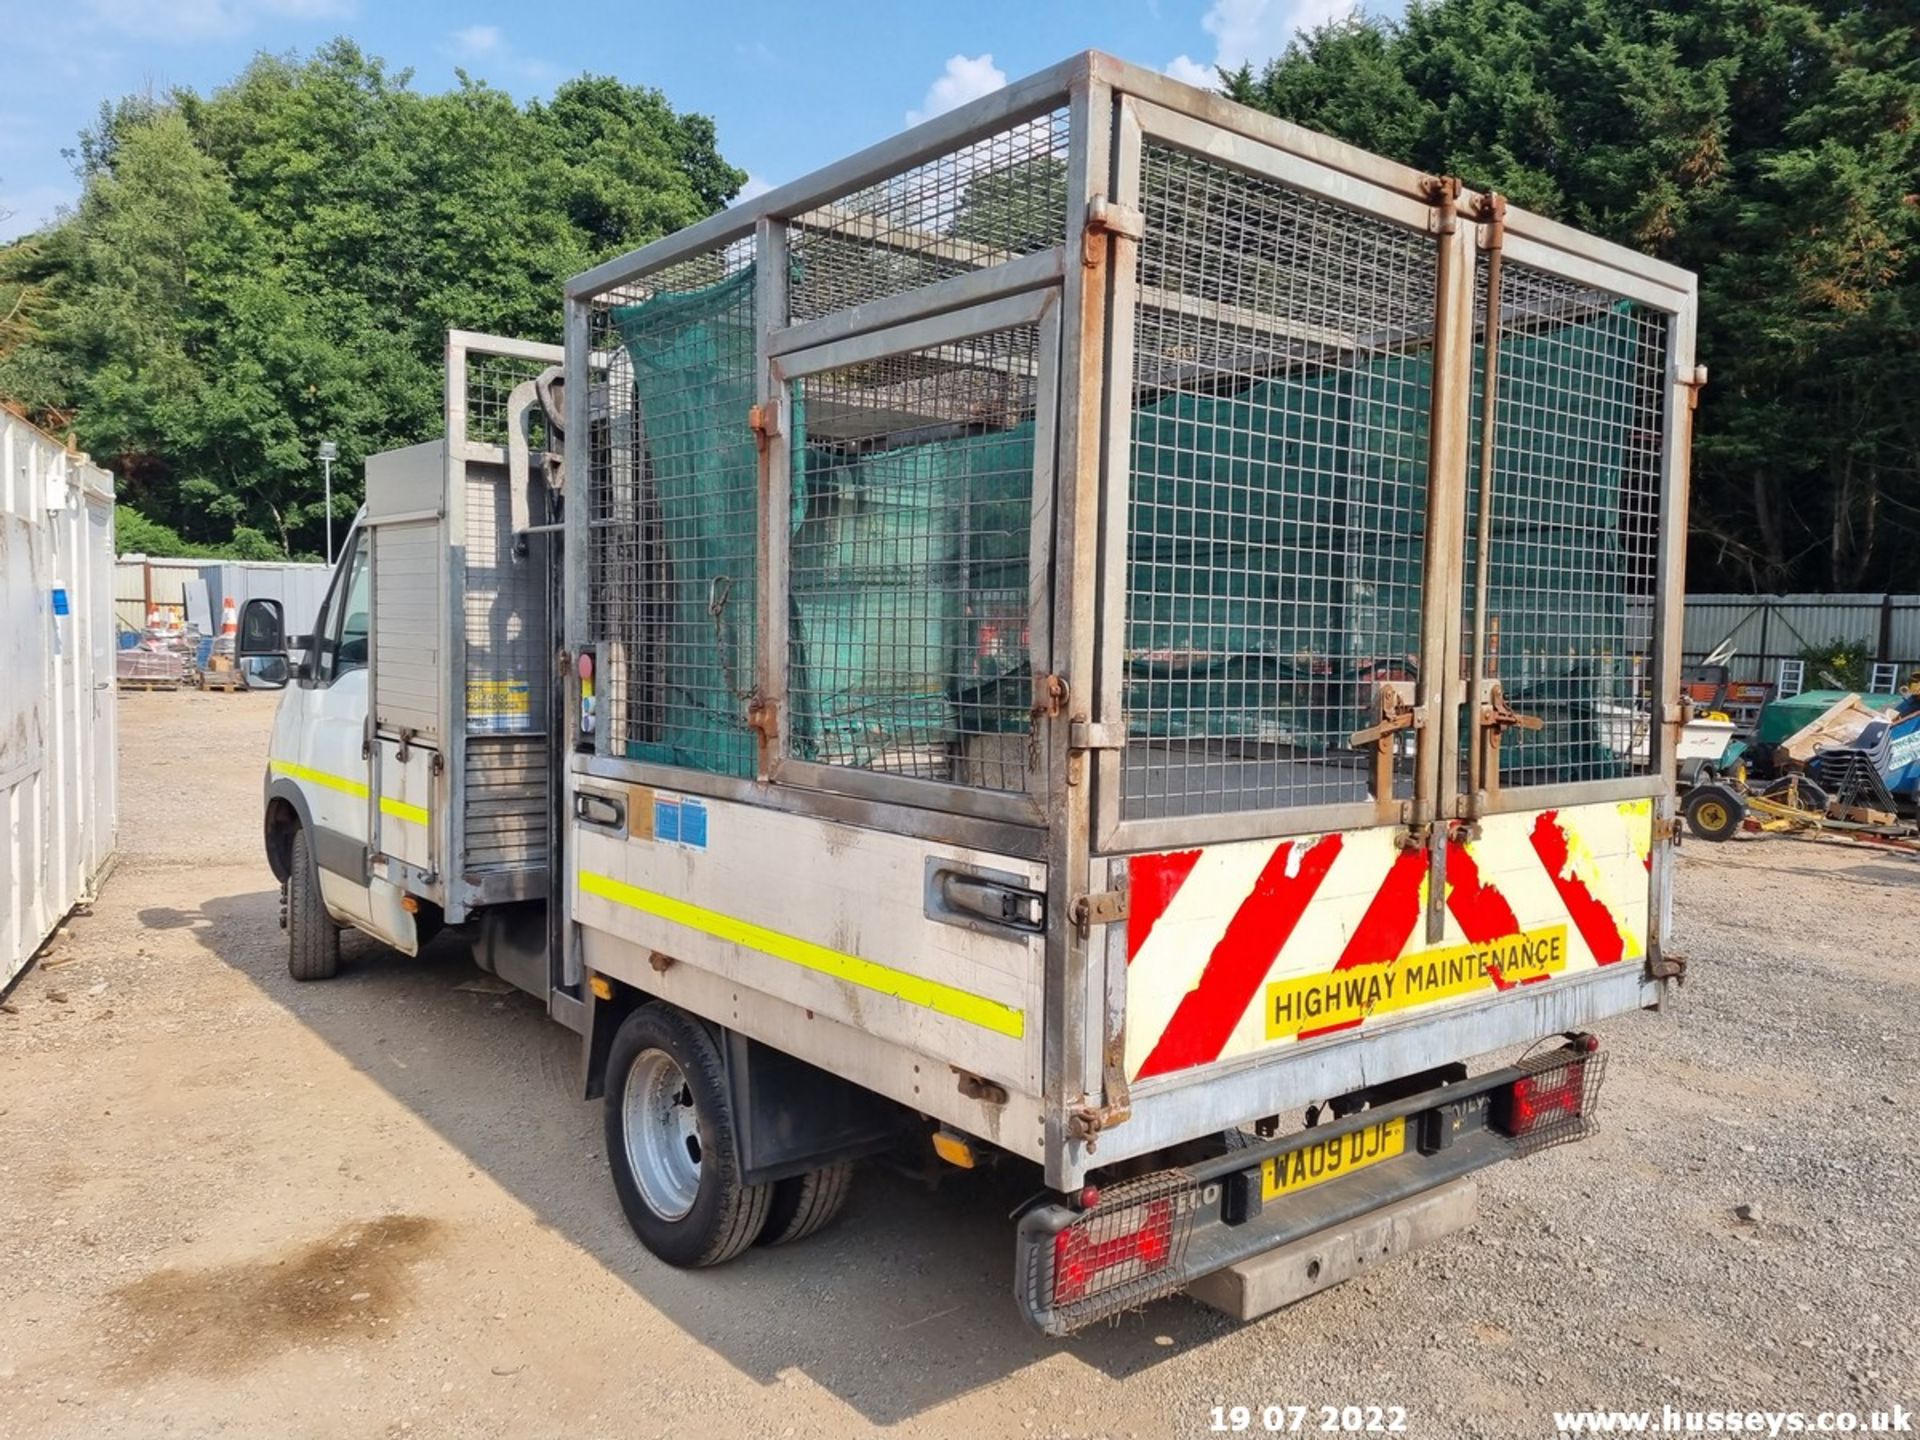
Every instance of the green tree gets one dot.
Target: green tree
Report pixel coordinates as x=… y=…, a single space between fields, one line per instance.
x=278 y=262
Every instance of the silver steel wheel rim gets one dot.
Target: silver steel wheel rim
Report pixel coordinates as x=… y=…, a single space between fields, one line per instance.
x=662 y=1133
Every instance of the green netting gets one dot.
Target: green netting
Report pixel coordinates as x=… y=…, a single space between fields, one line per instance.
x=904 y=563
x=897 y=614
x=693 y=377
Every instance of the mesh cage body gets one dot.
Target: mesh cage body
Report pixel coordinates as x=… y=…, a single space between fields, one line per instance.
x=911 y=526
x=1282 y=385
x=673 y=483
x=1572 y=573
x=976 y=206
x=491 y=381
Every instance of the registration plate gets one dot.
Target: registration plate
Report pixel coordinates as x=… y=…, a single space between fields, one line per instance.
x=1325 y=1160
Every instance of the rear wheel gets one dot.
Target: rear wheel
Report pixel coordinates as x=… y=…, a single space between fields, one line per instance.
x=670 y=1142
x=1713 y=812
x=313 y=940
x=804 y=1204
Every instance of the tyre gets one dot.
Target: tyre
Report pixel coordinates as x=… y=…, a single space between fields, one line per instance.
x=803 y=1204
x=670 y=1142
x=1713 y=812
x=313 y=940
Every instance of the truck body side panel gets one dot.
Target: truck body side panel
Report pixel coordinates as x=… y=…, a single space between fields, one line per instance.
x=824 y=916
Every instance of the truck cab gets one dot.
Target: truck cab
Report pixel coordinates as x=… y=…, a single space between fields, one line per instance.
x=398 y=800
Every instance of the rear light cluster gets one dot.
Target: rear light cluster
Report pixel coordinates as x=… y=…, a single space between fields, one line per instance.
x=1125 y=1251
x=1554 y=1101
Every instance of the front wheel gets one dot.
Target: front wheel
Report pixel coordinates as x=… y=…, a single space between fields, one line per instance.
x=313 y=940
x=670 y=1142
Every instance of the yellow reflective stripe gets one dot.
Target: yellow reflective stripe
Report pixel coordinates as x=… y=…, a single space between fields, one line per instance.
x=868 y=974
x=399 y=809
x=355 y=788
x=403 y=811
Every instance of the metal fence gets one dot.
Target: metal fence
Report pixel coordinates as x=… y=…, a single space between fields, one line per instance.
x=144 y=584
x=1766 y=629
x=59 y=765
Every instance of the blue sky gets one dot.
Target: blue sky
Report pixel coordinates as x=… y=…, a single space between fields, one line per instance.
x=791 y=87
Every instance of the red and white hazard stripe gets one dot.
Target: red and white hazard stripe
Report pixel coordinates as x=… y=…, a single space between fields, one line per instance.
x=1209 y=929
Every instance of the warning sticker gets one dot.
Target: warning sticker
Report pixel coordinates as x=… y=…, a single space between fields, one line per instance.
x=499 y=705
x=1315 y=1002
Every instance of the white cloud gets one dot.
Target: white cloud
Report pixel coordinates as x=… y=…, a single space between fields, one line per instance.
x=488 y=46
x=184 y=20
x=1251 y=32
x=965 y=78
x=755 y=187
x=476 y=41
x=1189 y=71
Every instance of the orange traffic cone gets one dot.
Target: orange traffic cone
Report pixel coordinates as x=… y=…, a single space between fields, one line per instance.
x=229 y=618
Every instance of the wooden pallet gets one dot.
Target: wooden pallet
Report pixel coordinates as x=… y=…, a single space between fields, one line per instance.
x=222 y=680
x=149 y=682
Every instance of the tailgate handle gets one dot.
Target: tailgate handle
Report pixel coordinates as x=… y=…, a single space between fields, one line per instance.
x=983 y=899
x=604 y=811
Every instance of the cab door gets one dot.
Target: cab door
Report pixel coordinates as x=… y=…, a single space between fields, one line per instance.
x=334 y=769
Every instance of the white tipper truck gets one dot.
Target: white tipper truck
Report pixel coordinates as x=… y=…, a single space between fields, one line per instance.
x=1091 y=635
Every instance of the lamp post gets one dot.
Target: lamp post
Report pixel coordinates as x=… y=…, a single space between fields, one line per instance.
x=329 y=452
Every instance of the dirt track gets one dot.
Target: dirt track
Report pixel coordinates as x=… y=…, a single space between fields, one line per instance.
x=375 y=1206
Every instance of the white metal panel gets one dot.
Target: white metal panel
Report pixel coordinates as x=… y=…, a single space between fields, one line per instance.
x=806 y=885
x=408 y=820
x=407 y=639
x=57 y=755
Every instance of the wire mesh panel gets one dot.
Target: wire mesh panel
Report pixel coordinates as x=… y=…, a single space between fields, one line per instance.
x=910 y=563
x=673 y=491
x=491 y=380
x=1572 y=563
x=980 y=205
x=1282 y=384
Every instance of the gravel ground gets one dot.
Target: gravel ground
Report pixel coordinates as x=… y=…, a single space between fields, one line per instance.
x=374 y=1207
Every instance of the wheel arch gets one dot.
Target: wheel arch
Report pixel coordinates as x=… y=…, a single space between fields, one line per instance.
x=286 y=811
x=789 y=1116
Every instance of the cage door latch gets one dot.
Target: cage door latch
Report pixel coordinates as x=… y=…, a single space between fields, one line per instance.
x=1497 y=717
x=1393 y=704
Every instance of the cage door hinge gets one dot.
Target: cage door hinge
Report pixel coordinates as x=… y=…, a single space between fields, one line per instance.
x=1665 y=965
x=766 y=422
x=1442 y=193
x=1096 y=735
x=1492 y=217
x=1085 y=1122
x=763 y=715
x=1110 y=217
x=1102 y=907
x=1694 y=378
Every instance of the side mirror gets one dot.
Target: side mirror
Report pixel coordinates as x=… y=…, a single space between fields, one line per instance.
x=265 y=672
x=263 y=631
